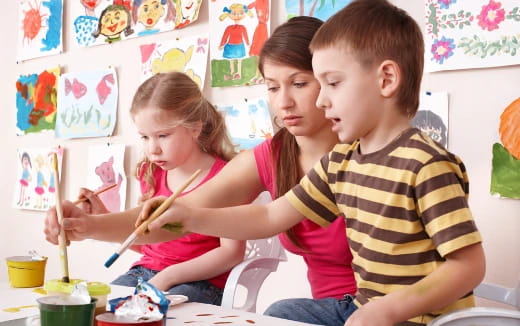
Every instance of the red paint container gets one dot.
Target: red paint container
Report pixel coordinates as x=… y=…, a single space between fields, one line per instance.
x=110 y=319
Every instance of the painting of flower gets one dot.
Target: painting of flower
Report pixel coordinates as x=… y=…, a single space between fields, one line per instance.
x=442 y=49
x=471 y=34
x=491 y=15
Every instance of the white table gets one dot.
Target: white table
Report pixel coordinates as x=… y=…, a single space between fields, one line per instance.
x=203 y=314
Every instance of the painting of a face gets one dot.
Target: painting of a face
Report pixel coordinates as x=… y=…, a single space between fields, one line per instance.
x=189 y=7
x=114 y=22
x=149 y=12
x=90 y=4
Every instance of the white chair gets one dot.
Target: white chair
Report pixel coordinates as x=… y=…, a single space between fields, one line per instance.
x=484 y=316
x=260 y=259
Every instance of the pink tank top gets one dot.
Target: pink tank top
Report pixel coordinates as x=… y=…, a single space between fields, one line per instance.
x=158 y=256
x=326 y=252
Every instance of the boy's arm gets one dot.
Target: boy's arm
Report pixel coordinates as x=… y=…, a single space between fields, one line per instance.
x=462 y=271
x=238 y=222
x=203 y=267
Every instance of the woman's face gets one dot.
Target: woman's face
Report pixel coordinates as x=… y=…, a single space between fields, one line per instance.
x=292 y=95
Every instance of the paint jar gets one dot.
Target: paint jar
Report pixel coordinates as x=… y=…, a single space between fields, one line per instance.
x=26 y=271
x=62 y=311
x=96 y=290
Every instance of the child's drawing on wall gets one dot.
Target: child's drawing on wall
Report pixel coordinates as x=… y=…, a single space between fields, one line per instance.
x=87 y=104
x=233 y=39
x=40 y=25
x=232 y=26
x=322 y=10
x=36 y=99
x=42 y=171
x=149 y=12
x=105 y=168
x=432 y=125
x=432 y=116
x=36 y=186
x=261 y=33
x=471 y=34
x=25 y=178
x=188 y=55
x=505 y=173
x=248 y=122
x=114 y=20
x=100 y=22
x=187 y=11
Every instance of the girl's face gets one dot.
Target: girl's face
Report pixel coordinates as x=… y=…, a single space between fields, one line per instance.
x=114 y=22
x=166 y=142
x=292 y=94
x=149 y=12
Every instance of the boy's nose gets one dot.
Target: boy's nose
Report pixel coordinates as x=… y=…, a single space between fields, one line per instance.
x=322 y=102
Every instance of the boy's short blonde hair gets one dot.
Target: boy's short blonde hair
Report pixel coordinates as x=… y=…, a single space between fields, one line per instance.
x=374 y=31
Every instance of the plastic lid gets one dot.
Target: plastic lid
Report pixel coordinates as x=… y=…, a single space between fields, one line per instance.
x=98 y=288
x=94 y=288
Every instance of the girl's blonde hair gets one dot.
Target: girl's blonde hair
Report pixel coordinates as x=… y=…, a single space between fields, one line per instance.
x=233 y=7
x=180 y=97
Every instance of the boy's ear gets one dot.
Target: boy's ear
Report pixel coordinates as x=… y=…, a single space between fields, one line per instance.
x=389 y=78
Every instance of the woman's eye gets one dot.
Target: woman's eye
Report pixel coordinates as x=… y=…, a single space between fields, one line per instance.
x=272 y=89
x=163 y=135
x=300 y=85
x=144 y=137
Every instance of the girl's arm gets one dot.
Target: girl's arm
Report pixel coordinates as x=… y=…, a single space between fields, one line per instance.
x=203 y=267
x=463 y=270
x=112 y=227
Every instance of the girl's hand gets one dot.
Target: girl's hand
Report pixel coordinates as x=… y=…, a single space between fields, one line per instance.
x=148 y=207
x=93 y=204
x=75 y=223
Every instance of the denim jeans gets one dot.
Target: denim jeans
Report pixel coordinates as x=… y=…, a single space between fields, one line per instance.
x=198 y=291
x=329 y=311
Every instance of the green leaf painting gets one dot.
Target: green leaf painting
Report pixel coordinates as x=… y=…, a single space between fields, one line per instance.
x=505 y=173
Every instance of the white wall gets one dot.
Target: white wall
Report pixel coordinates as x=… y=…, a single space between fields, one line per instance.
x=477 y=97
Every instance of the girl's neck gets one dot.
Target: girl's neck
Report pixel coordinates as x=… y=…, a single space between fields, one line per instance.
x=198 y=160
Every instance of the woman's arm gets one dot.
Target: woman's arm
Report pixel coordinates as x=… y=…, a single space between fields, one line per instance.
x=203 y=267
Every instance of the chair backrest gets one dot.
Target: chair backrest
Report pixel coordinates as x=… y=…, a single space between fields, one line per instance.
x=261 y=258
x=269 y=247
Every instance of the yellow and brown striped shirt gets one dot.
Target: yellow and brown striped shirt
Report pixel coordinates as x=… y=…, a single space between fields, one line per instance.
x=405 y=208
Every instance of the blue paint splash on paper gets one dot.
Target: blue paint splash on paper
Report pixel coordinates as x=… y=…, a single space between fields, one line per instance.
x=53 y=37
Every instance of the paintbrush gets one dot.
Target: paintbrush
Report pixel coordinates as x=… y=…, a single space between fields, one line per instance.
x=144 y=226
x=82 y=199
x=62 y=238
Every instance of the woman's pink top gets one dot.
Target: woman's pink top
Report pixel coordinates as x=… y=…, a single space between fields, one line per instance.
x=158 y=256
x=325 y=250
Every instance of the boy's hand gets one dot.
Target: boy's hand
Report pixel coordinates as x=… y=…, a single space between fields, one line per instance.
x=148 y=207
x=74 y=223
x=93 y=204
x=373 y=313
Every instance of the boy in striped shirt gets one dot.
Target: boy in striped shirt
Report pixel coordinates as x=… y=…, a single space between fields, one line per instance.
x=417 y=252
